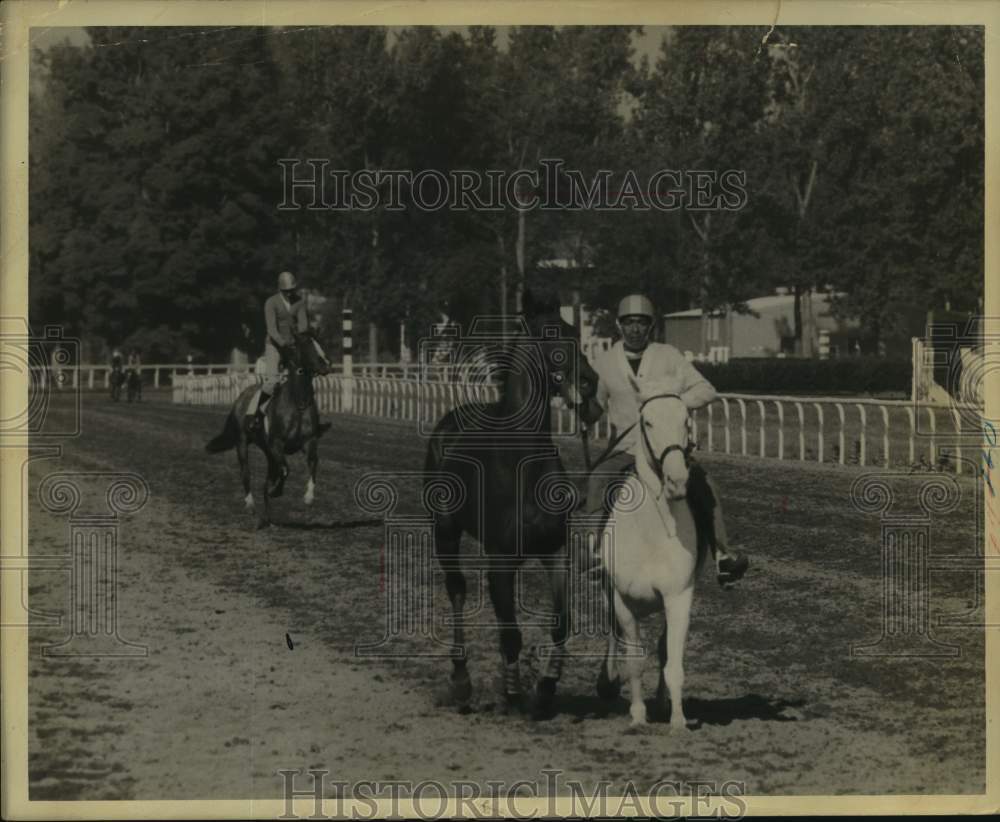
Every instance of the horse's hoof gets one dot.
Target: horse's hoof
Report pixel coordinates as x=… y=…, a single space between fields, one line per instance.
x=248 y=502
x=262 y=523
x=544 y=701
x=678 y=727
x=461 y=688
x=608 y=688
x=276 y=491
x=514 y=701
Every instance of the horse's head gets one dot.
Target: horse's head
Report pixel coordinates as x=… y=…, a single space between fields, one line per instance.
x=566 y=368
x=301 y=357
x=662 y=461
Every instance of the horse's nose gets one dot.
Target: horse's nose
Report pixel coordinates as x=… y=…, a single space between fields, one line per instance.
x=675 y=478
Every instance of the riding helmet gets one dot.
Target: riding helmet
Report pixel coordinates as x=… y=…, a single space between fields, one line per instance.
x=636 y=305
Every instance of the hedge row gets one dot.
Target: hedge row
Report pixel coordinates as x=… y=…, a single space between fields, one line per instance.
x=847 y=375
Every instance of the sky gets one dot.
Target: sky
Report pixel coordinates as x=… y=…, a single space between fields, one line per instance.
x=648 y=43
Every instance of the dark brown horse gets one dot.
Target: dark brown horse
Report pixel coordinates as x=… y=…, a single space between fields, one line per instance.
x=291 y=425
x=134 y=385
x=502 y=454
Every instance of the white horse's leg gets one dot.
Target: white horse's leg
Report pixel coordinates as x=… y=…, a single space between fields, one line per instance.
x=634 y=657
x=312 y=458
x=678 y=608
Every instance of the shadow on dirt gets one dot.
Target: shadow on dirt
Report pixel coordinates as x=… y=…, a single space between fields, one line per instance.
x=698 y=711
x=327 y=526
x=750 y=706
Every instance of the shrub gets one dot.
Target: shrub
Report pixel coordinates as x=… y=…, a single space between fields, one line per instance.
x=847 y=375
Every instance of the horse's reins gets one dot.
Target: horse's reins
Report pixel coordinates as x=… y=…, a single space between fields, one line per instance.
x=658 y=462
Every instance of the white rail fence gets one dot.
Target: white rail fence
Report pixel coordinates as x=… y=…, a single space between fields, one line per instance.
x=814 y=429
x=95 y=377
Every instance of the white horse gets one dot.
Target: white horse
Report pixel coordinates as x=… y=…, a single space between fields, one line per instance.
x=650 y=551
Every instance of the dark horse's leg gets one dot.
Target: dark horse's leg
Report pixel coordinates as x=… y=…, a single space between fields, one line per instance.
x=610 y=687
x=545 y=690
x=502 y=595
x=447 y=538
x=277 y=465
x=264 y=518
x=312 y=460
x=243 y=454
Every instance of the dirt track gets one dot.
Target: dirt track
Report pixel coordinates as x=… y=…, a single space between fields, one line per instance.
x=221 y=702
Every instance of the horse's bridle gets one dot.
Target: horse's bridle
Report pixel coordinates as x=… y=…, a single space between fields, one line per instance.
x=684 y=449
x=300 y=371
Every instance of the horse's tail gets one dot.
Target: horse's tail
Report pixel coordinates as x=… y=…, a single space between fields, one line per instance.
x=229 y=437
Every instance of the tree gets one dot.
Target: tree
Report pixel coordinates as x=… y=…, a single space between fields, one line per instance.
x=703 y=109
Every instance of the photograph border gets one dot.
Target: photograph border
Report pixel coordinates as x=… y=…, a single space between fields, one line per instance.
x=21 y=20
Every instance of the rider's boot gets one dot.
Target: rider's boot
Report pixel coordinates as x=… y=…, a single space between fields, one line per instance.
x=730 y=565
x=255 y=420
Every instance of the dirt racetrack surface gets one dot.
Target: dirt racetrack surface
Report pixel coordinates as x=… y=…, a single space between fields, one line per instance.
x=250 y=635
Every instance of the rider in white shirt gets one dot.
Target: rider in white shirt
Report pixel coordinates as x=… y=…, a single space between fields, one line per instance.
x=637 y=357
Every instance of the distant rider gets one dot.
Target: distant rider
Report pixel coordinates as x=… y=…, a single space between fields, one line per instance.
x=134 y=360
x=284 y=315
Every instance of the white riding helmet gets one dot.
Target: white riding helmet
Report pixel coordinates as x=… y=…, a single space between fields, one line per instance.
x=286 y=281
x=636 y=305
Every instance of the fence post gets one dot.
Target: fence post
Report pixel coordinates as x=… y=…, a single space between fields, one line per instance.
x=725 y=409
x=760 y=406
x=864 y=430
x=819 y=416
x=840 y=413
x=743 y=426
x=709 y=426
x=347 y=385
x=802 y=431
x=885 y=433
x=781 y=429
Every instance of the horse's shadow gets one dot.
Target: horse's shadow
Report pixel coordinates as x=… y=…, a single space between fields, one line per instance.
x=699 y=712
x=326 y=526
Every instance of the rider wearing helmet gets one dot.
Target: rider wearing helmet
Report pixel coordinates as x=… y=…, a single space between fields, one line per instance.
x=284 y=314
x=116 y=360
x=635 y=356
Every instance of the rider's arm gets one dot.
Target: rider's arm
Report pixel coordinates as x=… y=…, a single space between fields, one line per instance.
x=696 y=391
x=271 y=318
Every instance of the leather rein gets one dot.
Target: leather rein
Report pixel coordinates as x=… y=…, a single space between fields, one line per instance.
x=617 y=438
